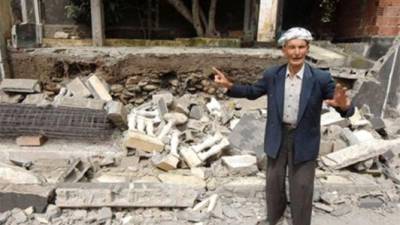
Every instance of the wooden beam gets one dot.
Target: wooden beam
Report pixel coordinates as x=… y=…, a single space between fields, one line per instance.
x=4 y=66
x=246 y=19
x=97 y=14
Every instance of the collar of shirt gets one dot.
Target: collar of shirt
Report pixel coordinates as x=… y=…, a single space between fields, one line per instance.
x=298 y=74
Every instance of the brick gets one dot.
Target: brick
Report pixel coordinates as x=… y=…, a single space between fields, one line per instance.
x=20 y=85
x=136 y=194
x=76 y=102
x=25 y=195
x=78 y=88
x=37 y=140
x=388 y=31
x=143 y=142
x=98 y=88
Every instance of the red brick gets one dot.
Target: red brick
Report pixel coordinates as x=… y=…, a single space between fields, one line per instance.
x=388 y=31
x=392 y=11
x=387 y=21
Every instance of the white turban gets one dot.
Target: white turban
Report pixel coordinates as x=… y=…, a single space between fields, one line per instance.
x=295 y=33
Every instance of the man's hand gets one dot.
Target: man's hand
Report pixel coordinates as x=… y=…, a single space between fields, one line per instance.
x=221 y=79
x=340 y=98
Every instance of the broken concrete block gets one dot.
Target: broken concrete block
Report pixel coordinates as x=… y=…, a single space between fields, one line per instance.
x=20 y=85
x=37 y=140
x=324 y=57
x=136 y=194
x=250 y=187
x=98 y=88
x=172 y=119
x=117 y=113
x=183 y=180
x=78 y=88
x=248 y=135
x=35 y=99
x=190 y=157
x=137 y=140
x=239 y=161
x=24 y=196
x=167 y=162
x=182 y=104
x=16 y=175
x=360 y=152
x=75 y=102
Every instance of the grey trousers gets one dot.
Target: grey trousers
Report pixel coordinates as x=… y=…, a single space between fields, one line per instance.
x=301 y=184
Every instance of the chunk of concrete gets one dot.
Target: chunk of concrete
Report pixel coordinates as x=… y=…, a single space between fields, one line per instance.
x=24 y=196
x=16 y=175
x=248 y=135
x=190 y=157
x=165 y=162
x=360 y=152
x=239 y=161
x=98 y=88
x=140 y=141
x=35 y=99
x=117 y=113
x=178 y=179
x=75 y=102
x=124 y=195
x=78 y=88
x=37 y=140
x=20 y=85
x=324 y=57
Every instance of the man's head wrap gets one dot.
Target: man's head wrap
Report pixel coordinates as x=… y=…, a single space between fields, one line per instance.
x=295 y=33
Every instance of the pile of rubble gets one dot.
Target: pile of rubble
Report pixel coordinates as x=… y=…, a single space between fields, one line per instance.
x=187 y=159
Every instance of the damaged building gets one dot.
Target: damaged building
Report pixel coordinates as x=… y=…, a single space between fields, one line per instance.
x=118 y=121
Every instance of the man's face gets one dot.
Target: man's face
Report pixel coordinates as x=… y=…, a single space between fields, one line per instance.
x=295 y=51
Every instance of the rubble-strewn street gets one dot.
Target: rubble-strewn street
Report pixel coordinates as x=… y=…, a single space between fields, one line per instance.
x=140 y=150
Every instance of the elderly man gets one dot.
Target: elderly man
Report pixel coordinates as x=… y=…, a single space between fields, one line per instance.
x=295 y=93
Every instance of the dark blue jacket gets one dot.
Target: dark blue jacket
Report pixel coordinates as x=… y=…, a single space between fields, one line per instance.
x=317 y=86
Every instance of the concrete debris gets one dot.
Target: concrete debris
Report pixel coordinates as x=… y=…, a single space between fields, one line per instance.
x=20 y=85
x=98 y=88
x=117 y=113
x=16 y=175
x=78 y=88
x=76 y=102
x=360 y=152
x=189 y=159
x=26 y=195
x=84 y=195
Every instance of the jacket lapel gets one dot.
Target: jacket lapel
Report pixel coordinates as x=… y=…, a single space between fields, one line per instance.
x=280 y=89
x=306 y=89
